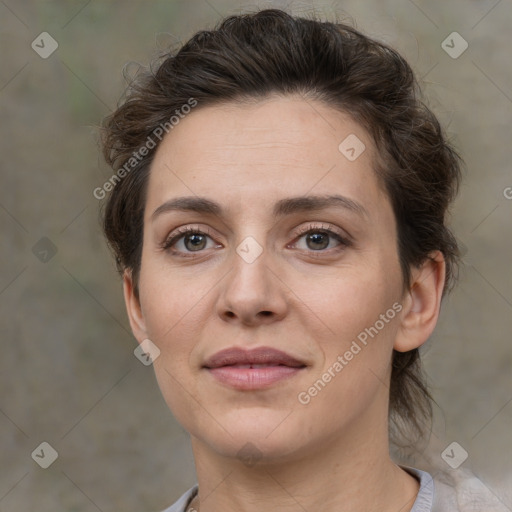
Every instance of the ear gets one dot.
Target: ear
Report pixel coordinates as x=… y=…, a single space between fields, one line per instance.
x=421 y=303
x=133 y=308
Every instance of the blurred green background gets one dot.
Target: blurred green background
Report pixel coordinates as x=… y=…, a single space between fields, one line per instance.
x=68 y=375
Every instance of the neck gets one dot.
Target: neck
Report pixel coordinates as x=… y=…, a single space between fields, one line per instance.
x=340 y=475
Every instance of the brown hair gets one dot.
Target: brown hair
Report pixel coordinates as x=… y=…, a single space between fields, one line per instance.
x=250 y=56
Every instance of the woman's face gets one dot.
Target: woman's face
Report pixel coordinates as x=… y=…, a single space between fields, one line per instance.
x=249 y=275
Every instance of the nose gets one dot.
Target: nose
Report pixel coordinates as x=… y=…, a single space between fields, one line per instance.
x=252 y=292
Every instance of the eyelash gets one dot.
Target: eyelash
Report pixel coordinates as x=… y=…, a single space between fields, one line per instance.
x=180 y=233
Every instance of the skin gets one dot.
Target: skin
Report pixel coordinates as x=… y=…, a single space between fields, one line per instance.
x=331 y=454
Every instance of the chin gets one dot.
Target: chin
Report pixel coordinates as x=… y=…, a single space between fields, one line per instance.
x=253 y=434
x=255 y=449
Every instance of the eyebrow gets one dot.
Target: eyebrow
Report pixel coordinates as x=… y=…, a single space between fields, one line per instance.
x=282 y=207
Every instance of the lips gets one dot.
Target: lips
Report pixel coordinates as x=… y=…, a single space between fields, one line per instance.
x=255 y=369
x=256 y=358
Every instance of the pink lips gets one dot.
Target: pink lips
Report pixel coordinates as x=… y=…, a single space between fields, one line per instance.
x=252 y=369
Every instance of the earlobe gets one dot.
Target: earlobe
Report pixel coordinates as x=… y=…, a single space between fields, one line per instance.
x=422 y=303
x=133 y=308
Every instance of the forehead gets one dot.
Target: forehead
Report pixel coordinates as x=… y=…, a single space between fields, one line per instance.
x=264 y=151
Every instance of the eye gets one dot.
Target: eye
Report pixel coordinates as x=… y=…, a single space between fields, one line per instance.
x=319 y=238
x=188 y=239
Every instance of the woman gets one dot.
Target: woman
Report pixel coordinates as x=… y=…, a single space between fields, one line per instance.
x=278 y=217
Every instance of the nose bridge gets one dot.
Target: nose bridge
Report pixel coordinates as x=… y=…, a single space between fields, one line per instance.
x=249 y=249
x=251 y=267
x=251 y=235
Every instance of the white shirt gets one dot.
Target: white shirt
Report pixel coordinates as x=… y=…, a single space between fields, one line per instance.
x=455 y=491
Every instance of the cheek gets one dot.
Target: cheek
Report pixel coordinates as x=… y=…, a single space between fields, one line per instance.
x=356 y=352
x=350 y=302
x=172 y=308
x=351 y=307
x=171 y=301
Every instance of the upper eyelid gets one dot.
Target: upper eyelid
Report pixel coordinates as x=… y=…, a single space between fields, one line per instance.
x=330 y=229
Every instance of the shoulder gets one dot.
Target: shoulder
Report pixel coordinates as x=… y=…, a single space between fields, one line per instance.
x=443 y=491
x=462 y=490
x=182 y=503
x=453 y=491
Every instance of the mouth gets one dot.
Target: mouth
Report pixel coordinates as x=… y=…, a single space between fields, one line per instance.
x=252 y=369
